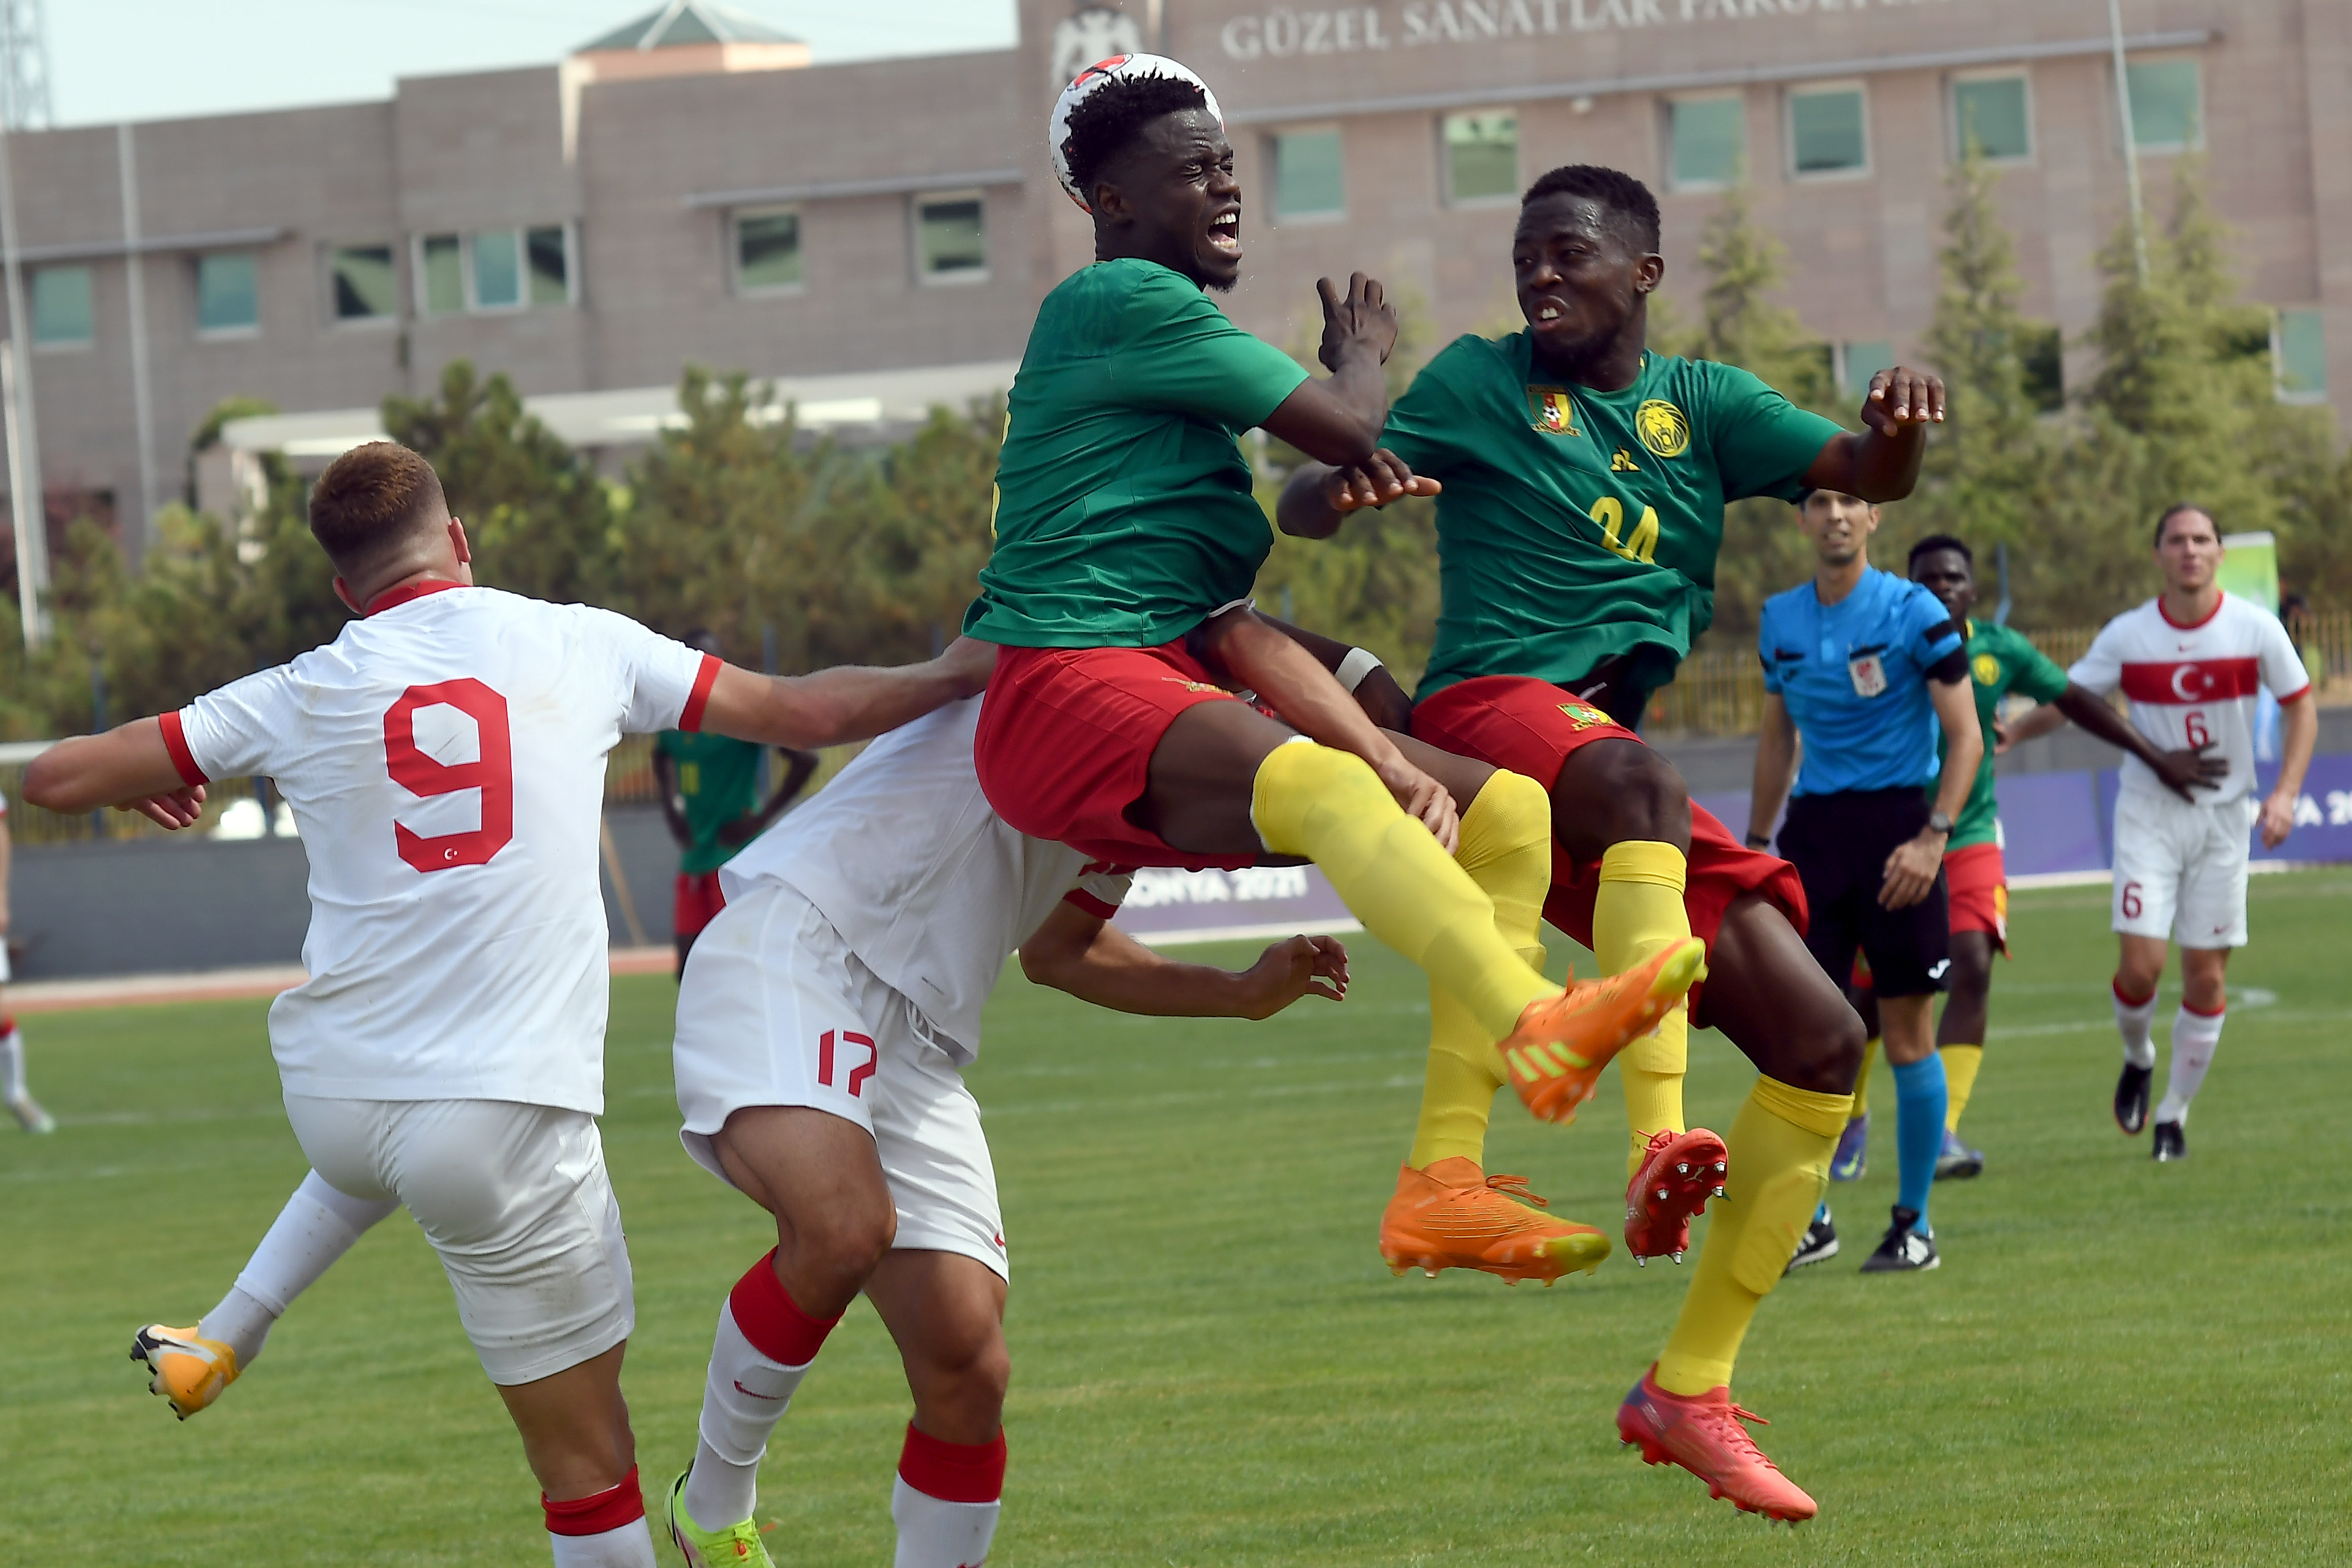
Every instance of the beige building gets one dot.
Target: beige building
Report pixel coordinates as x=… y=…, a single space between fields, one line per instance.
x=877 y=235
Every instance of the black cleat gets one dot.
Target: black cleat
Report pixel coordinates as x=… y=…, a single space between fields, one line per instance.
x=1905 y=1250
x=1820 y=1241
x=2170 y=1144
x=2131 y=1099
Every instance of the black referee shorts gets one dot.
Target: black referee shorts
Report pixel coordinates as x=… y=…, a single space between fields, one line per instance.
x=1839 y=844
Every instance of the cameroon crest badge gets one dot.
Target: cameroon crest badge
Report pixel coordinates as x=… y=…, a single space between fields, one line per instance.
x=1663 y=428
x=1551 y=411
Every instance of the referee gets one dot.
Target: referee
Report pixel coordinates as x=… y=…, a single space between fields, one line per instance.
x=1864 y=665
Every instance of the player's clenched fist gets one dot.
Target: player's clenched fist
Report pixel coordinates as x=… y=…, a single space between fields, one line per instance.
x=1902 y=396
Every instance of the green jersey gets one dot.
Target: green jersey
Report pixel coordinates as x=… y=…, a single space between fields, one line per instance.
x=1577 y=525
x=1124 y=512
x=718 y=779
x=2000 y=662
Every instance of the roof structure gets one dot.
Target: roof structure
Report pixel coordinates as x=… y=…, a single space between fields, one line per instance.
x=683 y=22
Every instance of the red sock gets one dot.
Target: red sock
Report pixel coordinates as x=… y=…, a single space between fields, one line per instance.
x=953 y=1472
x=594 y=1515
x=772 y=1321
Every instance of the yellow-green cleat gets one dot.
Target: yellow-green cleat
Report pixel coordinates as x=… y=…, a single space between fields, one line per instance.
x=737 y=1546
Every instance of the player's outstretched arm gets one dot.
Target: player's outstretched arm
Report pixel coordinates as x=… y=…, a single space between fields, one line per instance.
x=850 y=702
x=1882 y=464
x=1310 y=700
x=127 y=768
x=1318 y=497
x=1093 y=960
x=1339 y=420
x=2183 y=772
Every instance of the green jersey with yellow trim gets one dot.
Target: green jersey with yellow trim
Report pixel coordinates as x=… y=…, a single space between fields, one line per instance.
x=1125 y=515
x=1578 y=525
x=2000 y=662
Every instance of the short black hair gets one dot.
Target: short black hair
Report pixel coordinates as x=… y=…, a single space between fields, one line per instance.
x=1620 y=193
x=1107 y=120
x=1936 y=541
x=2174 y=510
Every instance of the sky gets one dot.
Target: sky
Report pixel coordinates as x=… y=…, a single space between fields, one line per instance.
x=160 y=59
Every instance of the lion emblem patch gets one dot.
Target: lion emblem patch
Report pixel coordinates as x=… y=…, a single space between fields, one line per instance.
x=1663 y=428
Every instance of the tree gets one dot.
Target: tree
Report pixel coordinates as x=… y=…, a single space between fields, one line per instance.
x=1985 y=475
x=1741 y=324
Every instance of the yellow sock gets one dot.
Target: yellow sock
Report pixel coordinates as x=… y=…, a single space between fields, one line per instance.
x=1961 y=1064
x=1638 y=910
x=1861 y=1079
x=1506 y=850
x=1330 y=807
x=1780 y=1148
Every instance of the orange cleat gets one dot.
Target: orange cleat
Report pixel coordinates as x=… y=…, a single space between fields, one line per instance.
x=1702 y=1434
x=1455 y=1216
x=188 y=1370
x=1556 y=1053
x=1679 y=1173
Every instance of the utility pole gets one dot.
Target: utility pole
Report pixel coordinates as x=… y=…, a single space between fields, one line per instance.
x=2131 y=139
x=24 y=105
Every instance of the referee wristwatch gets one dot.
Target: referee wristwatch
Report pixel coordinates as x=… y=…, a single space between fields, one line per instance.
x=1940 y=821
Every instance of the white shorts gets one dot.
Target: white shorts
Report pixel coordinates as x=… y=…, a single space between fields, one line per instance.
x=2180 y=869
x=515 y=1200
x=775 y=1010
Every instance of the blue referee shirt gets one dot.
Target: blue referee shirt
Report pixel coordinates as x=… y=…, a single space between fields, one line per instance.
x=1854 y=676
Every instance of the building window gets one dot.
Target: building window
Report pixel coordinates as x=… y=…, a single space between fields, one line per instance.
x=2166 y=113
x=1707 y=143
x=547 y=251
x=495 y=269
x=1989 y=115
x=363 y=283
x=442 y=266
x=229 y=299
x=1482 y=157
x=2299 y=350
x=1309 y=180
x=1826 y=134
x=61 y=314
x=498 y=270
x=767 y=251
x=951 y=237
x=1857 y=362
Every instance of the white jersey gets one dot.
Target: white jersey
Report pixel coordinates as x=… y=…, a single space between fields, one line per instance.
x=2191 y=684
x=445 y=761
x=928 y=885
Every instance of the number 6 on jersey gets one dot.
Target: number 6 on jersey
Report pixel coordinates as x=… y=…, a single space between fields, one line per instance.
x=491 y=772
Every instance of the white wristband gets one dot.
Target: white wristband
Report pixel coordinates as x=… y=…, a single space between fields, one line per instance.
x=1359 y=664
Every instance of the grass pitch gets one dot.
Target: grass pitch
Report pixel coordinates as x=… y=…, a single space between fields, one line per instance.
x=2116 y=1364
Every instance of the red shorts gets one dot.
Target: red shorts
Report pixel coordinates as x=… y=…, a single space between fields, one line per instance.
x=1531 y=727
x=1980 y=891
x=695 y=902
x=1065 y=744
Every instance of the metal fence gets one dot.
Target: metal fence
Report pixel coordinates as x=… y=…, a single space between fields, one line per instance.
x=1721 y=691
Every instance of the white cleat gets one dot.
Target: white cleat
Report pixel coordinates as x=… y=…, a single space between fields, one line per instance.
x=31 y=1117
